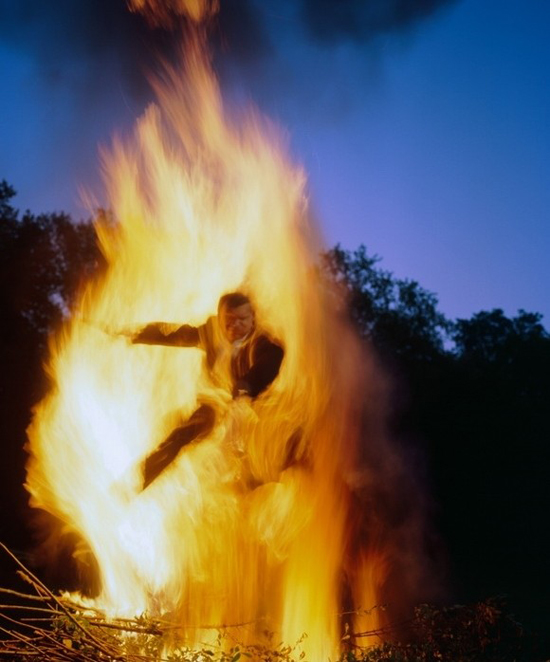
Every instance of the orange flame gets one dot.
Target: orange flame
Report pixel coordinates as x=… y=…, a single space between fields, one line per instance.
x=161 y=12
x=204 y=206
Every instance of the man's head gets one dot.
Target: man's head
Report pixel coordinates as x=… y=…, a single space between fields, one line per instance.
x=236 y=316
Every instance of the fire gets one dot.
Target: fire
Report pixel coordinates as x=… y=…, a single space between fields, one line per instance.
x=229 y=534
x=161 y=12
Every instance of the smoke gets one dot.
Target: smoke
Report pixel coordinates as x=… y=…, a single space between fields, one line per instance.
x=241 y=32
x=331 y=21
x=102 y=36
x=88 y=63
x=94 y=37
x=98 y=34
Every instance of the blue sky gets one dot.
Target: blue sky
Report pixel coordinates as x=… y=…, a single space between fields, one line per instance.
x=429 y=142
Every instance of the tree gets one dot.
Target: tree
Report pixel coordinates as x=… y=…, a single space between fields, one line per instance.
x=477 y=415
x=491 y=336
x=397 y=315
x=42 y=262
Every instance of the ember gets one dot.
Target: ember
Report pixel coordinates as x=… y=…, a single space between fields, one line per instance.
x=231 y=532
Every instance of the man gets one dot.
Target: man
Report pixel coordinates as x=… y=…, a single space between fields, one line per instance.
x=239 y=357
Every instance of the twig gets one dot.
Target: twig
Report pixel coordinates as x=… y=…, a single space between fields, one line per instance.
x=20 y=637
x=26 y=596
x=17 y=635
x=39 y=585
x=127 y=628
x=12 y=620
x=67 y=651
x=27 y=608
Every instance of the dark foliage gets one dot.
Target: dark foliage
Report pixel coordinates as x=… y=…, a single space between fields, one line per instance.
x=480 y=632
x=43 y=259
x=472 y=395
x=399 y=316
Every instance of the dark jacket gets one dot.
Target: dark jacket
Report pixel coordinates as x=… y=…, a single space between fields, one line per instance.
x=253 y=365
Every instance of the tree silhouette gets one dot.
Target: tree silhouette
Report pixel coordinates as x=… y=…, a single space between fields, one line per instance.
x=398 y=315
x=42 y=262
x=491 y=336
x=470 y=396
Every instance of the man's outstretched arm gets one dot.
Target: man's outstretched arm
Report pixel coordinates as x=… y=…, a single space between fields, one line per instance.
x=159 y=333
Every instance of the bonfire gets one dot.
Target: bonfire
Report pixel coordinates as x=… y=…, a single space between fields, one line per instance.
x=231 y=537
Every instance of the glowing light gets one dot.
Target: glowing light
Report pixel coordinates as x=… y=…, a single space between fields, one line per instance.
x=203 y=206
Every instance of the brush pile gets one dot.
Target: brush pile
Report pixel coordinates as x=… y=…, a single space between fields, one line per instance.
x=39 y=626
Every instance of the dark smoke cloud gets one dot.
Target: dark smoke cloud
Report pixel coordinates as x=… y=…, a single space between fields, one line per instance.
x=243 y=23
x=88 y=35
x=94 y=35
x=241 y=31
x=331 y=21
x=81 y=68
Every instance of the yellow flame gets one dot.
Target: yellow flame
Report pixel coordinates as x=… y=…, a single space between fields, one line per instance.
x=204 y=205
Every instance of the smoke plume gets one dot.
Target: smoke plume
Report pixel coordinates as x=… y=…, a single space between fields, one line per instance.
x=331 y=21
x=96 y=34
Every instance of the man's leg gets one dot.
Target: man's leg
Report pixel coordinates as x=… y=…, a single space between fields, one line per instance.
x=198 y=426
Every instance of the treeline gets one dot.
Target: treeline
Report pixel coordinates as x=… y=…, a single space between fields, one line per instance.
x=470 y=394
x=43 y=260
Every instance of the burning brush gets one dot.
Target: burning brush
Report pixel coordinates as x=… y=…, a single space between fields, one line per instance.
x=42 y=626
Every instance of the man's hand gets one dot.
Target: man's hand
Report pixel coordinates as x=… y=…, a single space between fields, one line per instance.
x=115 y=332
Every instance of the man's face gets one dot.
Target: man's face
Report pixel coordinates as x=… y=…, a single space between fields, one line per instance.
x=237 y=322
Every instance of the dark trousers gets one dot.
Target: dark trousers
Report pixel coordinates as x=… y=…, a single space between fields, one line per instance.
x=198 y=426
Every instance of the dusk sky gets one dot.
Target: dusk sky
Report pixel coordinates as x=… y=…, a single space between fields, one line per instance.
x=424 y=126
